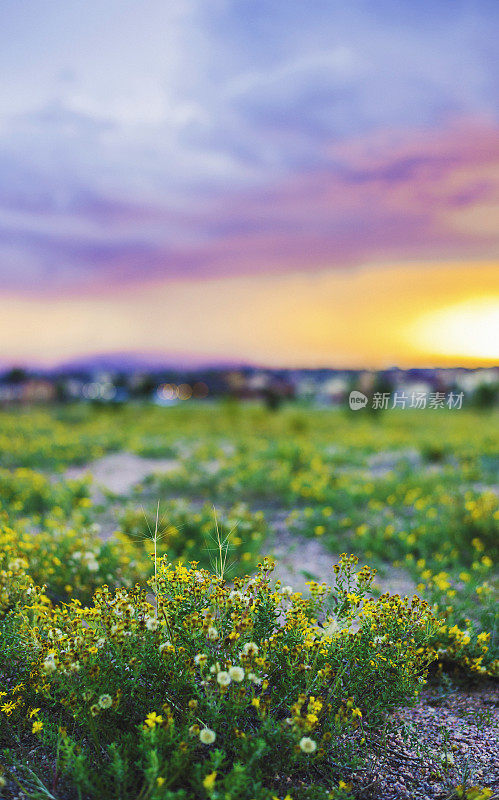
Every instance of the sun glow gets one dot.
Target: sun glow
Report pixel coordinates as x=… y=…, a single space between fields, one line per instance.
x=469 y=329
x=417 y=314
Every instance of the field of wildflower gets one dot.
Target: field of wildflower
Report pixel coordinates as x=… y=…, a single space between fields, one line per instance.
x=150 y=646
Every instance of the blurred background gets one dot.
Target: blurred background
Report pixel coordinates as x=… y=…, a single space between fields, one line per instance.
x=261 y=198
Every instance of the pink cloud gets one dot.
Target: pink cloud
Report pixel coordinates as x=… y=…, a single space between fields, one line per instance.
x=389 y=195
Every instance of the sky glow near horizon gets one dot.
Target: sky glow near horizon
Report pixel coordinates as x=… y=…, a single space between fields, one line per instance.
x=250 y=181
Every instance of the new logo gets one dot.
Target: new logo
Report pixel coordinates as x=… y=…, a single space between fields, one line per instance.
x=357 y=400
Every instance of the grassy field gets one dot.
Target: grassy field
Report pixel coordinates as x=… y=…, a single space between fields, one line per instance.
x=129 y=671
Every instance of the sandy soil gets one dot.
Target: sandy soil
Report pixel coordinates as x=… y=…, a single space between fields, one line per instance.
x=299 y=559
x=120 y=472
x=435 y=745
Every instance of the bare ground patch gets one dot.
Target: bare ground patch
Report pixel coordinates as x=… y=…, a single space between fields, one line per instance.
x=120 y=472
x=441 y=742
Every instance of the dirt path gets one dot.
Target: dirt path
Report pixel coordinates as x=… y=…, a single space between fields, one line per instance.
x=120 y=472
x=298 y=558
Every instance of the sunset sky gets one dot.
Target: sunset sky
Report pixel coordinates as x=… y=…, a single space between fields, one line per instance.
x=310 y=182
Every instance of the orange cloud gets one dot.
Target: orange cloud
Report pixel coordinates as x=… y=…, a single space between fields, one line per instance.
x=364 y=317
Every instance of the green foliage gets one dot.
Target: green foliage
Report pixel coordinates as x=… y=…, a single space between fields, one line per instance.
x=184 y=533
x=214 y=688
x=413 y=489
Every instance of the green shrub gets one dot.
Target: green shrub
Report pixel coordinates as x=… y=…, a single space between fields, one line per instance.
x=205 y=689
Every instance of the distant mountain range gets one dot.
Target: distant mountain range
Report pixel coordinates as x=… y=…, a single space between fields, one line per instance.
x=139 y=362
x=128 y=363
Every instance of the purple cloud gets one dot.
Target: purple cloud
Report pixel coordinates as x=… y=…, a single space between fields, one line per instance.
x=246 y=137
